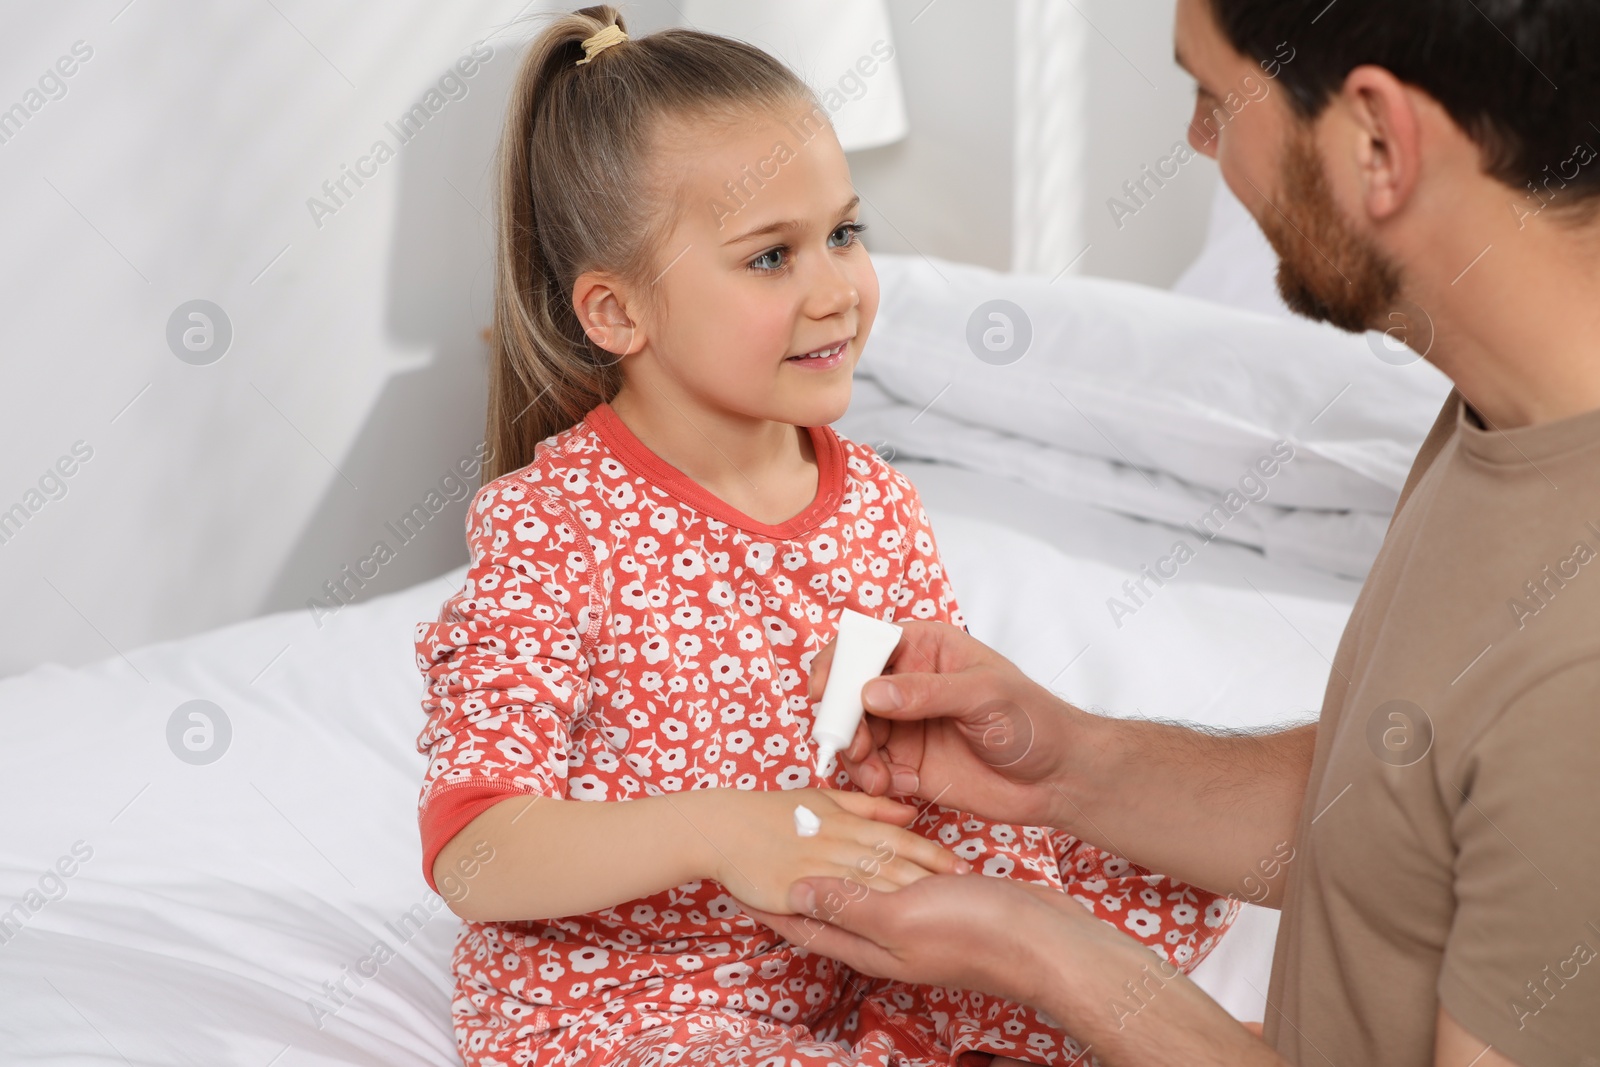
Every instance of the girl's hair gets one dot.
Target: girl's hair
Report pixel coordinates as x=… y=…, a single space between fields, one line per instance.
x=575 y=194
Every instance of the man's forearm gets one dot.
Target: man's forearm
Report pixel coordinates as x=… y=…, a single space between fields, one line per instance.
x=1131 y=1008
x=1217 y=811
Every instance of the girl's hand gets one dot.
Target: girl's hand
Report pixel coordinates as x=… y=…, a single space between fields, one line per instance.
x=753 y=850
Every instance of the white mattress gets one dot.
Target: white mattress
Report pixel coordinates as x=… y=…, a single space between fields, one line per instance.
x=219 y=898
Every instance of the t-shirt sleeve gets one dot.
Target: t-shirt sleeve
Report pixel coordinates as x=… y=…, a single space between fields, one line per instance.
x=1522 y=960
x=506 y=665
x=923 y=590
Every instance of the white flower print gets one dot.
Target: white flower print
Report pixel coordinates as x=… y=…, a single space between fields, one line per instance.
x=732 y=974
x=514 y=750
x=688 y=566
x=720 y=594
x=778 y=631
x=663 y=520
x=758 y=557
x=587 y=787
x=588 y=959
x=726 y=670
x=749 y=638
x=794 y=777
x=1143 y=923
x=999 y=865
x=824 y=549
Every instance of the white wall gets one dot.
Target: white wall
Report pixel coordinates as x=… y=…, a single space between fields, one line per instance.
x=178 y=165
x=949 y=183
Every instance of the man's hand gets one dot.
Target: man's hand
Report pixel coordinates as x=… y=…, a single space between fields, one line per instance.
x=957 y=722
x=1031 y=945
x=966 y=931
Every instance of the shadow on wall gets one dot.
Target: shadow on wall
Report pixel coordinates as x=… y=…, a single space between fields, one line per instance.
x=416 y=460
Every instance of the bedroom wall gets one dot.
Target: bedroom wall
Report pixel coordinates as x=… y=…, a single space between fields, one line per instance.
x=178 y=165
x=950 y=181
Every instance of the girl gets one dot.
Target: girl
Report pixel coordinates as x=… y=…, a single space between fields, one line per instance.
x=665 y=537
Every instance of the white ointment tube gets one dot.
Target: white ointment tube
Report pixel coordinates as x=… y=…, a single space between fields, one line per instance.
x=806 y=822
x=861 y=649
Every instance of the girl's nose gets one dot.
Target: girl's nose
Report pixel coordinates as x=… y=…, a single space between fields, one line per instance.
x=832 y=292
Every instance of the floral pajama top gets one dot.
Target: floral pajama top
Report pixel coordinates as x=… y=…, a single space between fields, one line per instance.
x=623 y=633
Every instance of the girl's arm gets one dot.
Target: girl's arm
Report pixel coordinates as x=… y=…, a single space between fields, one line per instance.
x=529 y=857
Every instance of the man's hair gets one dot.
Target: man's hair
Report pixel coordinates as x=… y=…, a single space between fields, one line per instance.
x=1520 y=77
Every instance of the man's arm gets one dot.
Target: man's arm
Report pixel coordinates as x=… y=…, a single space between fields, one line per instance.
x=1033 y=945
x=956 y=721
x=1218 y=810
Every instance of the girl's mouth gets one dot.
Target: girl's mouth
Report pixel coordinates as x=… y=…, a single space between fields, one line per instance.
x=822 y=358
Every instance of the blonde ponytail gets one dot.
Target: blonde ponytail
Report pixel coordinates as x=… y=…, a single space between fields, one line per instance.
x=571 y=199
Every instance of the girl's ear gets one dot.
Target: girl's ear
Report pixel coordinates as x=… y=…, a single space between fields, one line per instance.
x=601 y=303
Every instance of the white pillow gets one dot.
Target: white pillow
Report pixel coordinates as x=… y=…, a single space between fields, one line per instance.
x=1157 y=380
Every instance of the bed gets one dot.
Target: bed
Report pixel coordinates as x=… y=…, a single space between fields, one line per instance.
x=212 y=854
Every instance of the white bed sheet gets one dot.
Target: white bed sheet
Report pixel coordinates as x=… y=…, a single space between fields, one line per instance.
x=219 y=899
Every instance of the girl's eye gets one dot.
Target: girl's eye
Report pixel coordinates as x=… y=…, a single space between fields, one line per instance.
x=846 y=235
x=771 y=259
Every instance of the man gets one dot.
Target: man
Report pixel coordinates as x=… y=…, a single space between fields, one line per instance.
x=1434 y=840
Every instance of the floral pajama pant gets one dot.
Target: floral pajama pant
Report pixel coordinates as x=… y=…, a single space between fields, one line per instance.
x=892 y=1025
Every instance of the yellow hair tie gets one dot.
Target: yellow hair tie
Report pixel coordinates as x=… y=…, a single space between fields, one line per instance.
x=607 y=37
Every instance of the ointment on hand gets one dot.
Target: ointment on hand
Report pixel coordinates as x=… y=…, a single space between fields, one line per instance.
x=862 y=648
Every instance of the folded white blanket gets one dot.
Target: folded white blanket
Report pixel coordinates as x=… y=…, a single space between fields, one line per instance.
x=1341 y=542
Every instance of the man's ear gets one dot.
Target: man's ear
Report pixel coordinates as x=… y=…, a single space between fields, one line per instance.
x=600 y=301
x=1389 y=146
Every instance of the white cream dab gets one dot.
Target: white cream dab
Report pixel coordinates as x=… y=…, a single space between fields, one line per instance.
x=806 y=822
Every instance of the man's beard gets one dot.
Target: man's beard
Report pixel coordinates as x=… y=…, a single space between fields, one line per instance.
x=1327 y=271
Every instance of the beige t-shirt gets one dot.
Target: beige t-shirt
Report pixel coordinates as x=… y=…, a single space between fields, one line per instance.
x=1449 y=848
